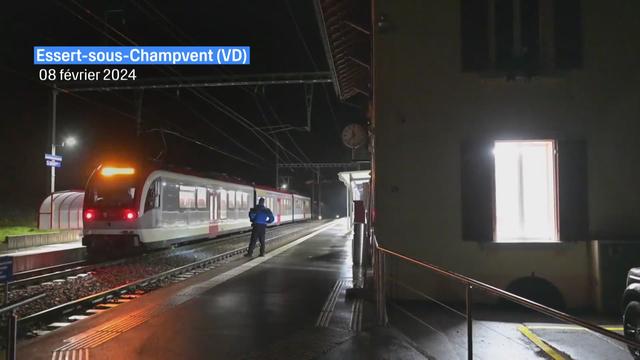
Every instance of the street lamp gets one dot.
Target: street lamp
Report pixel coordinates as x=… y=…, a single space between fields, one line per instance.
x=70 y=141
x=284 y=186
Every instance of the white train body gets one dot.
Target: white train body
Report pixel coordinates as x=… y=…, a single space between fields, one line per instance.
x=128 y=207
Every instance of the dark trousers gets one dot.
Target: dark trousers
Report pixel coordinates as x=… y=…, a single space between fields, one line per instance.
x=257 y=233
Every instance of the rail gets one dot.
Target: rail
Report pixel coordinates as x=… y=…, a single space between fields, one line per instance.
x=469 y=283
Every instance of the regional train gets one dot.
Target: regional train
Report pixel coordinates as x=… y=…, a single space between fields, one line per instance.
x=131 y=209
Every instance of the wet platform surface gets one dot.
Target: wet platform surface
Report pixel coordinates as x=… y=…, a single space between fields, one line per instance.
x=290 y=304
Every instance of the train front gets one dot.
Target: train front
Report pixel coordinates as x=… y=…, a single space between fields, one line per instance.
x=112 y=210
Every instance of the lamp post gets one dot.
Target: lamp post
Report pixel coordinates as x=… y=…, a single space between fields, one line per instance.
x=54 y=94
x=70 y=141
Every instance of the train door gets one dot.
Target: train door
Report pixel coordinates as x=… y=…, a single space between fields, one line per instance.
x=279 y=210
x=222 y=196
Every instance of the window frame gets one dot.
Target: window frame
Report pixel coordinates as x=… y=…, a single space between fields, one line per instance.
x=553 y=35
x=186 y=189
x=201 y=194
x=152 y=198
x=553 y=188
x=231 y=199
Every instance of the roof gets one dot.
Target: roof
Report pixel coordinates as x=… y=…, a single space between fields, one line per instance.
x=346 y=37
x=354 y=176
x=149 y=167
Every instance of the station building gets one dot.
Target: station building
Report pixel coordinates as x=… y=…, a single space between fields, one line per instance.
x=505 y=137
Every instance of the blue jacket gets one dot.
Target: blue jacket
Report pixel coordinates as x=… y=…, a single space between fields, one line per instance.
x=261 y=215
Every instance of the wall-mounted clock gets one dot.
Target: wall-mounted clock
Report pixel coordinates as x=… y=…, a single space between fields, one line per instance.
x=354 y=136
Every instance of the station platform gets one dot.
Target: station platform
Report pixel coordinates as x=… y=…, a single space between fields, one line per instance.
x=290 y=304
x=44 y=256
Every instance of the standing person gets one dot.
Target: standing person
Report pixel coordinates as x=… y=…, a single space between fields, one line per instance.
x=260 y=216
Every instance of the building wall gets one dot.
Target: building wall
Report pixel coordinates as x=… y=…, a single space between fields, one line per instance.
x=425 y=106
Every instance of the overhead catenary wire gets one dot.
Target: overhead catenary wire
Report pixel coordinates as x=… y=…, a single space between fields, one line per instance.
x=313 y=62
x=208 y=98
x=198 y=142
x=277 y=118
x=182 y=133
x=52 y=87
x=203 y=95
x=162 y=131
x=87 y=11
x=183 y=34
x=266 y=119
x=218 y=129
x=144 y=10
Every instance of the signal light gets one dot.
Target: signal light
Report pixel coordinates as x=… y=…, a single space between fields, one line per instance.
x=89 y=215
x=129 y=215
x=110 y=171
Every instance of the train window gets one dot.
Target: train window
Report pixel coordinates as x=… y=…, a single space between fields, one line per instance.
x=231 y=204
x=113 y=193
x=525 y=183
x=201 y=198
x=187 y=197
x=245 y=200
x=169 y=196
x=153 y=196
x=239 y=200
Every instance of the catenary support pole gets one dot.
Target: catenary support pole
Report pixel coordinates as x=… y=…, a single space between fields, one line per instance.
x=469 y=300
x=319 y=193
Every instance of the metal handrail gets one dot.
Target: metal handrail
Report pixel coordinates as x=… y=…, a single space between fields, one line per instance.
x=471 y=283
x=17 y=304
x=12 y=323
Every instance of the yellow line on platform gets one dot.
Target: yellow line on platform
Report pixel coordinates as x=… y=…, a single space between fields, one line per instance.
x=540 y=343
x=570 y=327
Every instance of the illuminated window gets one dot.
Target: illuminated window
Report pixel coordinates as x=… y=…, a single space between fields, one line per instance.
x=245 y=200
x=187 y=197
x=231 y=204
x=239 y=200
x=526 y=199
x=201 y=197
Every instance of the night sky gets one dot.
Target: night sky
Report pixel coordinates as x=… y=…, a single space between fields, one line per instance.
x=104 y=122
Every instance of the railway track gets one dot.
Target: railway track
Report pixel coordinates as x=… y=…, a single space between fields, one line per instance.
x=37 y=276
x=144 y=274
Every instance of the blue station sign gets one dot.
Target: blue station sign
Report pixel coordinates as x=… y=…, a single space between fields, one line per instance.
x=53 y=163
x=53 y=157
x=6 y=269
x=53 y=160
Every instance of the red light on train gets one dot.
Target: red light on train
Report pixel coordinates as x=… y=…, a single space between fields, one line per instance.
x=129 y=215
x=89 y=215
